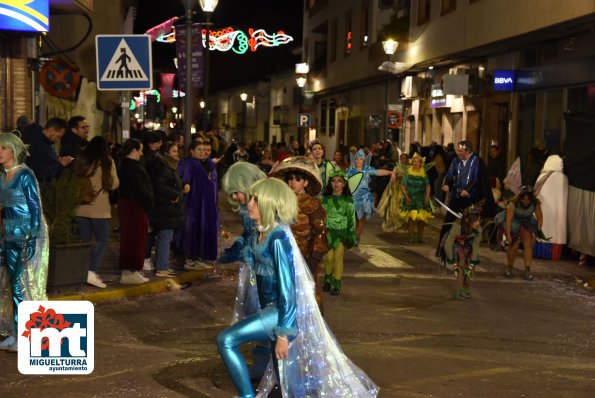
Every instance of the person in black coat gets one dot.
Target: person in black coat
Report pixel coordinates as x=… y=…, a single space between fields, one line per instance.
x=43 y=160
x=75 y=140
x=167 y=214
x=134 y=206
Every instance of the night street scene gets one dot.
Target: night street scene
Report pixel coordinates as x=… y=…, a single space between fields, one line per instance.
x=317 y=198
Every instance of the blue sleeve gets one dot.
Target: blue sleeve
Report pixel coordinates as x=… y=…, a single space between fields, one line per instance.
x=32 y=198
x=287 y=305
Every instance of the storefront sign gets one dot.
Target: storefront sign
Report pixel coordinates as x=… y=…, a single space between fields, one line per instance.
x=504 y=80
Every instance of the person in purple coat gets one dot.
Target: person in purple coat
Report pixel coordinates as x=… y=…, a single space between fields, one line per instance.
x=198 y=239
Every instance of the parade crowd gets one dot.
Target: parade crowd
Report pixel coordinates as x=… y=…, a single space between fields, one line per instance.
x=300 y=212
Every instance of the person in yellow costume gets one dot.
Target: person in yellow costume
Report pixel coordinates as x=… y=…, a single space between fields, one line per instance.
x=416 y=206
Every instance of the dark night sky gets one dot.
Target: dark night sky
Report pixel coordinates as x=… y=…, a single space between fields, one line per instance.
x=227 y=68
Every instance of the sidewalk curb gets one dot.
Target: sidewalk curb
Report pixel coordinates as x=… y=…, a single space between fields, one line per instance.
x=126 y=291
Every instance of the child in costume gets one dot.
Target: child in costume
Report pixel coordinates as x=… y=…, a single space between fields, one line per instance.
x=309 y=229
x=307 y=361
x=340 y=228
x=462 y=248
x=361 y=170
x=23 y=273
x=416 y=210
x=236 y=183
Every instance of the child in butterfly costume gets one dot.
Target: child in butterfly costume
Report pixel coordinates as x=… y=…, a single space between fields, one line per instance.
x=359 y=174
x=416 y=207
x=461 y=248
x=340 y=227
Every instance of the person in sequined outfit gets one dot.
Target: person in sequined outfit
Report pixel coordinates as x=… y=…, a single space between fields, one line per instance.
x=306 y=360
x=23 y=274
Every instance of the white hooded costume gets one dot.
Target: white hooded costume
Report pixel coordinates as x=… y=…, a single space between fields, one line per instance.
x=552 y=191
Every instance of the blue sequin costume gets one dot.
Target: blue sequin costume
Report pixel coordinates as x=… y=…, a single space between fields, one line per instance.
x=23 y=273
x=316 y=365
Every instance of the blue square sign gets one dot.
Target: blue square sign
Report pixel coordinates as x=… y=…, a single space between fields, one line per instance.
x=124 y=62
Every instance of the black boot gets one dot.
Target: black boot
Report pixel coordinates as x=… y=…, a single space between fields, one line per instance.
x=336 y=287
x=326 y=287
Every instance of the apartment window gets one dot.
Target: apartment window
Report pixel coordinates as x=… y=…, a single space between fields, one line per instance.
x=423 y=11
x=332 y=112
x=365 y=24
x=348 y=32
x=334 y=38
x=447 y=6
x=323 y=119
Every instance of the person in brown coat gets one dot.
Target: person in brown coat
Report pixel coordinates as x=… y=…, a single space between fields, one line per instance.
x=309 y=229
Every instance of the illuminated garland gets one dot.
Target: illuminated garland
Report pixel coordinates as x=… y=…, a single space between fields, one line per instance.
x=236 y=40
x=135 y=102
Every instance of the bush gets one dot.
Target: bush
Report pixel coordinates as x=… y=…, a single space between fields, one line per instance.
x=59 y=199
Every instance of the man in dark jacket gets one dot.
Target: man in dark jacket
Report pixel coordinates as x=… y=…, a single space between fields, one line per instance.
x=75 y=139
x=43 y=160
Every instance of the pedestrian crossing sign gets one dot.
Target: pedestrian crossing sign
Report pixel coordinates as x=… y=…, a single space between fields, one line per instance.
x=124 y=62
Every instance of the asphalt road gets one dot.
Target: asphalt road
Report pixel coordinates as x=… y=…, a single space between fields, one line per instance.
x=396 y=318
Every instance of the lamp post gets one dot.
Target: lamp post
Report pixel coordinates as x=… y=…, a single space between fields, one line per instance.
x=301 y=70
x=390 y=46
x=188 y=5
x=243 y=97
x=208 y=7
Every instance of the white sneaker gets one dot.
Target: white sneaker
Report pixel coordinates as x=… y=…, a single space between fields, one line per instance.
x=148 y=265
x=166 y=273
x=201 y=265
x=95 y=280
x=132 y=278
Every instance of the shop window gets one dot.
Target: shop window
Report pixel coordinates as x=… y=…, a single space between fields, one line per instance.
x=581 y=99
x=323 y=116
x=553 y=120
x=447 y=6
x=423 y=11
x=525 y=139
x=332 y=108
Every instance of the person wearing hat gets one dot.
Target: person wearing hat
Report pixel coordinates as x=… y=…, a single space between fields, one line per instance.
x=152 y=142
x=309 y=229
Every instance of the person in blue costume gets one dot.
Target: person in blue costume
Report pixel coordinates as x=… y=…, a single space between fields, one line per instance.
x=23 y=274
x=306 y=360
x=236 y=183
x=362 y=197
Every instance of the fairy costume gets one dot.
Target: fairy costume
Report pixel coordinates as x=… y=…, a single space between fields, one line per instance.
x=360 y=180
x=340 y=230
x=415 y=182
x=316 y=365
x=390 y=203
x=23 y=274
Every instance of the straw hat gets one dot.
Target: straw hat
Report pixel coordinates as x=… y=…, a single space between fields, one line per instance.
x=304 y=165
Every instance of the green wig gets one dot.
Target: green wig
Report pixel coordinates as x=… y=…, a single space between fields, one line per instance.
x=277 y=203
x=14 y=143
x=238 y=178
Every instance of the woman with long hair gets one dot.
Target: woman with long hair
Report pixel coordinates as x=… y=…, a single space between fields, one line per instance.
x=93 y=218
x=24 y=264
x=134 y=205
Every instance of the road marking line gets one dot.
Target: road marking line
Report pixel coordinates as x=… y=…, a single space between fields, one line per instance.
x=382 y=259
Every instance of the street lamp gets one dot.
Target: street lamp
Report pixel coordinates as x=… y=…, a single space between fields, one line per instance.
x=301 y=70
x=390 y=46
x=243 y=97
x=208 y=7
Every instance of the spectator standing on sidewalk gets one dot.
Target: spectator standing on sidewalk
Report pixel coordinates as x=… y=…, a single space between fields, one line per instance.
x=168 y=212
x=198 y=238
x=43 y=160
x=134 y=206
x=93 y=218
x=75 y=140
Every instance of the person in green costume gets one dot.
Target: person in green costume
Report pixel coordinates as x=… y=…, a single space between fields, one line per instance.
x=340 y=228
x=415 y=209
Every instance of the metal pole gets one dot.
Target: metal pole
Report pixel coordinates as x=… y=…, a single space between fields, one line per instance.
x=385 y=125
x=243 y=122
x=188 y=73
x=205 y=83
